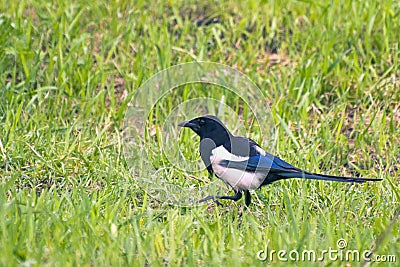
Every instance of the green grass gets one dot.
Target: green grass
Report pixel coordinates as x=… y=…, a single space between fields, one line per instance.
x=68 y=70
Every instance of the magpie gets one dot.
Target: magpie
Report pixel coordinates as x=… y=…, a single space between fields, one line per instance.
x=242 y=164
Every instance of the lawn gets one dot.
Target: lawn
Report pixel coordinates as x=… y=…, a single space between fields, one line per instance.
x=76 y=191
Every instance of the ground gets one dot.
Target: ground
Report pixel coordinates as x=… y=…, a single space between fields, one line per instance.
x=328 y=70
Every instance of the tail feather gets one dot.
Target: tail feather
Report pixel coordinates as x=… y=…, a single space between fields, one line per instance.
x=315 y=176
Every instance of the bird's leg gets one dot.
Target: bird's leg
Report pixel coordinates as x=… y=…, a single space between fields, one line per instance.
x=247 y=197
x=235 y=197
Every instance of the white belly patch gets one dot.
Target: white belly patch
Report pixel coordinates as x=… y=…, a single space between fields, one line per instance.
x=237 y=179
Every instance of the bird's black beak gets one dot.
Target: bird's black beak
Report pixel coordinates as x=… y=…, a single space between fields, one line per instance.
x=186 y=124
x=182 y=124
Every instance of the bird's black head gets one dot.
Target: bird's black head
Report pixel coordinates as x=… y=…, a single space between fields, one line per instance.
x=208 y=127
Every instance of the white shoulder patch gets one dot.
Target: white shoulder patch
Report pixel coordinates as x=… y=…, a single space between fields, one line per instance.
x=260 y=150
x=220 y=153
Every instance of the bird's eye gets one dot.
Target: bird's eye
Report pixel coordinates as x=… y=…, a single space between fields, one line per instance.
x=202 y=122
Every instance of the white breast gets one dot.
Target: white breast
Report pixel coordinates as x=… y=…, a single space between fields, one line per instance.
x=237 y=179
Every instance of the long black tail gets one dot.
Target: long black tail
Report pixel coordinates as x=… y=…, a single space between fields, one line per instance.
x=315 y=176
